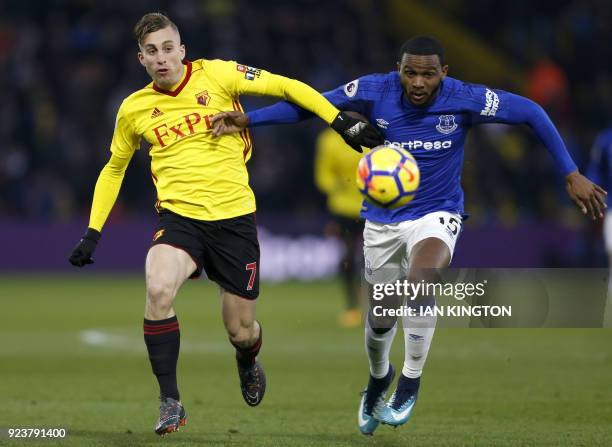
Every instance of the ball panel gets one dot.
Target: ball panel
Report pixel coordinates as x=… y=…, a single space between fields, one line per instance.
x=409 y=176
x=363 y=172
x=383 y=189
x=385 y=159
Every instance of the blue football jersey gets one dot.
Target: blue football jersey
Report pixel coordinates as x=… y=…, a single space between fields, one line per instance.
x=600 y=166
x=434 y=134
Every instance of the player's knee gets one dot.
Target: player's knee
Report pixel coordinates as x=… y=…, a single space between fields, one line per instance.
x=160 y=294
x=241 y=335
x=427 y=275
x=381 y=324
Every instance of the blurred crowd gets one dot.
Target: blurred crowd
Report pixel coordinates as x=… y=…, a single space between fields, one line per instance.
x=560 y=46
x=66 y=65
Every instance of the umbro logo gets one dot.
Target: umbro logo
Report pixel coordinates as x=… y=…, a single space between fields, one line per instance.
x=382 y=123
x=415 y=337
x=156 y=113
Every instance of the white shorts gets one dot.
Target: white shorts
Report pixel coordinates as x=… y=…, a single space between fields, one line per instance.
x=387 y=247
x=607 y=229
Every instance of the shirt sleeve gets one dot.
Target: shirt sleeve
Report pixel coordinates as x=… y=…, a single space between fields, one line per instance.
x=125 y=138
x=356 y=96
x=107 y=190
x=125 y=142
x=245 y=80
x=497 y=106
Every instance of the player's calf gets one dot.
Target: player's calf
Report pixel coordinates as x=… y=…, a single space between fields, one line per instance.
x=418 y=334
x=250 y=371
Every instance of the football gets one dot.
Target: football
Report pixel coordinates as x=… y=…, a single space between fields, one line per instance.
x=388 y=176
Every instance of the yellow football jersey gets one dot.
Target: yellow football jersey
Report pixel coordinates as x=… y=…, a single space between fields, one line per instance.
x=196 y=174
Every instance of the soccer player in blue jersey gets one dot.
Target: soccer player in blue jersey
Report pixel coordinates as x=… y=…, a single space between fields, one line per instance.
x=419 y=108
x=600 y=171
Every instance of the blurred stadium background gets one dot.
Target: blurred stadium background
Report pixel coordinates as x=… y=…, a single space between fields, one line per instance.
x=66 y=65
x=72 y=341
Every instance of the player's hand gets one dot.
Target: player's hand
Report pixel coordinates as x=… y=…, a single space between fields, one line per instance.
x=356 y=132
x=82 y=252
x=589 y=197
x=229 y=122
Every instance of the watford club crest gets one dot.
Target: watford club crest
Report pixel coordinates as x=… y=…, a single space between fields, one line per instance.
x=203 y=98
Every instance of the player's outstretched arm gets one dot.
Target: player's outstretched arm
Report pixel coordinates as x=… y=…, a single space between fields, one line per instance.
x=283 y=112
x=356 y=133
x=590 y=197
x=251 y=81
x=105 y=195
x=509 y=108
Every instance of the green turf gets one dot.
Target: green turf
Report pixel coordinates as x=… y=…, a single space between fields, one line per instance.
x=482 y=387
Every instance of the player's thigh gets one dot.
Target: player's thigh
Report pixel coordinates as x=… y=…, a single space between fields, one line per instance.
x=166 y=269
x=383 y=252
x=432 y=239
x=181 y=233
x=231 y=255
x=430 y=253
x=238 y=312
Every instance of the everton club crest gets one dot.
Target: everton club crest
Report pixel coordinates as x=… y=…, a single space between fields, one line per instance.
x=203 y=98
x=447 y=124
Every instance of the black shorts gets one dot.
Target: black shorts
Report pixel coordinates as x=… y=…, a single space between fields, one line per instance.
x=227 y=250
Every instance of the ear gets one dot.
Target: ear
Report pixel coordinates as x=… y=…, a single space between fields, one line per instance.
x=141 y=58
x=399 y=66
x=182 y=51
x=444 y=71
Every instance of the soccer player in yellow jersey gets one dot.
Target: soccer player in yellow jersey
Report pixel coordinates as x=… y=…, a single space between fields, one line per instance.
x=205 y=205
x=334 y=169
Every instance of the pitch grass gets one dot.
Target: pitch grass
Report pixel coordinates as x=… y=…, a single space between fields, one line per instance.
x=481 y=387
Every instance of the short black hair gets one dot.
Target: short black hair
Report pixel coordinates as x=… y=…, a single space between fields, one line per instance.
x=423 y=46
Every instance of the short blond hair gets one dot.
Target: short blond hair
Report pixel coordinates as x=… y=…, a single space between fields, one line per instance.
x=151 y=22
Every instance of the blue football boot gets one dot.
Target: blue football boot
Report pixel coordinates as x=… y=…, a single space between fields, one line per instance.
x=372 y=401
x=399 y=408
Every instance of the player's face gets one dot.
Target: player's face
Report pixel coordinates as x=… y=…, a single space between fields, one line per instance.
x=421 y=76
x=162 y=53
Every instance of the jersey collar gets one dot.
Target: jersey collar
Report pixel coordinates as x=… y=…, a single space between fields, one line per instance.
x=181 y=85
